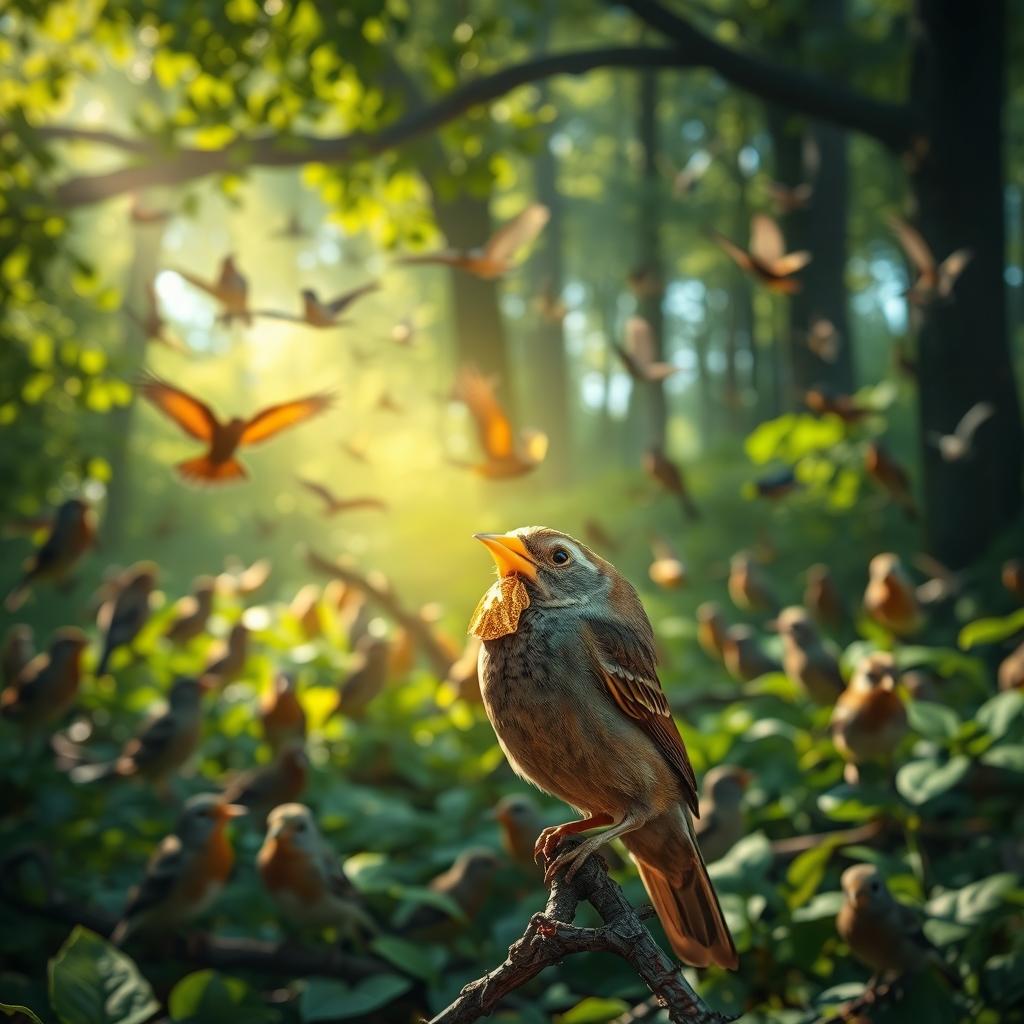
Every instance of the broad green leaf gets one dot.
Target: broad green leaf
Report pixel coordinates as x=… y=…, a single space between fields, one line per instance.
x=209 y=997
x=995 y=716
x=806 y=872
x=323 y=999
x=991 y=631
x=594 y=1010
x=412 y=957
x=931 y=720
x=11 y=1010
x=923 y=780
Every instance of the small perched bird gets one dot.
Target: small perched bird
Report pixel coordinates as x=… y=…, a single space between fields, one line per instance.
x=194 y=417
x=72 y=533
x=823 y=598
x=1011 y=670
x=569 y=680
x=167 y=739
x=282 y=781
x=495 y=257
x=748 y=585
x=304 y=608
x=824 y=340
x=1012 y=577
x=230 y=289
x=505 y=454
x=664 y=472
x=805 y=659
x=367 y=680
x=766 y=260
x=333 y=505
x=891 y=476
x=521 y=824
x=934 y=280
x=883 y=933
x=744 y=657
x=239 y=580
x=122 y=617
x=667 y=569
x=890 y=598
x=47 y=686
x=281 y=714
x=186 y=872
x=869 y=719
x=823 y=401
x=721 y=824
x=192 y=612
x=18 y=651
x=639 y=354
x=228 y=663
x=711 y=630
x=464 y=674
x=959 y=445
x=467 y=883
x=304 y=878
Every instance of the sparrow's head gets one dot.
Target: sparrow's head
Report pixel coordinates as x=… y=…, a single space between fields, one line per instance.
x=474 y=867
x=142 y=577
x=185 y=693
x=295 y=825
x=863 y=886
x=794 y=623
x=725 y=785
x=285 y=682
x=203 y=587
x=883 y=566
x=72 y=511
x=877 y=671
x=818 y=574
x=711 y=613
x=516 y=811
x=203 y=815
x=67 y=641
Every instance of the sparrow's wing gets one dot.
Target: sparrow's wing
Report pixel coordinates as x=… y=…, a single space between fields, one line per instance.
x=320 y=491
x=518 y=232
x=626 y=663
x=917 y=249
x=162 y=875
x=739 y=256
x=972 y=419
x=193 y=416
x=477 y=392
x=631 y=365
x=276 y=418
x=342 y=301
x=766 y=242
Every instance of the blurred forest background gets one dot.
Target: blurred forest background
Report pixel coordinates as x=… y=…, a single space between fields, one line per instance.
x=716 y=413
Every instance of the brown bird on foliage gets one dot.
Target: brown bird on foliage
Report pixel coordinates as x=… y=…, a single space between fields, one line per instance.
x=304 y=608
x=665 y=472
x=521 y=824
x=186 y=872
x=333 y=505
x=1011 y=670
x=122 y=617
x=743 y=656
x=869 y=719
x=464 y=674
x=282 y=781
x=318 y=313
x=506 y=455
x=891 y=476
x=766 y=260
x=495 y=257
x=230 y=289
x=711 y=630
x=639 y=354
x=823 y=598
x=934 y=280
x=367 y=680
x=194 y=417
x=890 y=598
x=748 y=585
x=18 y=651
x=166 y=740
x=282 y=716
x=467 y=883
x=959 y=445
x=72 y=532
x=721 y=824
x=1012 y=577
x=825 y=402
x=569 y=681
x=668 y=569
x=805 y=659
x=192 y=612
x=229 y=661
x=47 y=686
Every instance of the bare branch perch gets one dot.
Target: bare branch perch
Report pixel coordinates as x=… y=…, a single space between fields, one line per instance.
x=551 y=936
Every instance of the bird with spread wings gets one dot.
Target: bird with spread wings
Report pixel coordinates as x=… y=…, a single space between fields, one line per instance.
x=766 y=259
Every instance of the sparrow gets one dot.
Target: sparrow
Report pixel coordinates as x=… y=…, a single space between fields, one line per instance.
x=766 y=259
x=521 y=824
x=790 y=198
x=281 y=714
x=823 y=598
x=934 y=280
x=186 y=872
x=891 y=476
x=495 y=257
x=191 y=613
x=721 y=824
x=282 y=781
x=569 y=681
x=669 y=476
x=122 y=617
x=152 y=323
x=1011 y=670
x=639 y=354
x=667 y=570
x=869 y=719
x=464 y=675
x=776 y=484
x=959 y=445
x=505 y=454
x=823 y=401
x=194 y=417
x=228 y=663
x=292 y=228
x=824 y=340
x=243 y=581
x=366 y=681
x=467 y=883
x=230 y=289
x=942 y=584
x=744 y=657
x=318 y=313
x=748 y=585
x=334 y=505
x=47 y=686
x=18 y=651
x=72 y=532
x=711 y=630
x=304 y=878
x=166 y=740
x=305 y=610
x=890 y=598
x=1012 y=577
x=884 y=934
x=805 y=659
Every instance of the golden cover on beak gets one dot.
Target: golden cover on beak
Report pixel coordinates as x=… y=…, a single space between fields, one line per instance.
x=510 y=554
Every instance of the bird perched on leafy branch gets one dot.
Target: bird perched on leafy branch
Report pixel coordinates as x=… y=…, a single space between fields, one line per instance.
x=230 y=289
x=749 y=587
x=890 y=598
x=122 y=616
x=467 y=884
x=282 y=716
x=711 y=630
x=806 y=659
x=228 y=662
x=765 y=259
x=282 y=781
x=722 y=824
x=823 y=598
x=192 y=612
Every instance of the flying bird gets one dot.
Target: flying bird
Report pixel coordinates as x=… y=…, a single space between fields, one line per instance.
x=495 y=257
x=790 y=198
x=664 y=472
x=766 y=260
x=318 y=313
x=959 y=445
x=230 y=289
x=934 y=280
x=218 y=464
x=639 y=354
x=333 y=505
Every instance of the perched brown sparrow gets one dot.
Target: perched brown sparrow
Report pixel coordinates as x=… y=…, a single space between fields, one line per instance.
x=333 y=505
x=570 y=685
x=639 y=354
x=1012 y=577
x=467 y=883
x=521 y=824
x=744 y=657
x=891 y=476
x=18 y=651
x=122 y=617
x=239 y=580
x=663 y=471
x=317 y=312
x=748 y=585
x=890 y=598
x=464 y=675
x=282 y=781
x=823 y=598
x=195 y=418
x=192 y=613
x=766 y=260
x=47 y=686
x=281 y=714
x=869 y=719
x=805 y=659
x=305 y=609
x=934 y=280
x=367 y=680
x=711 y=630
x=721 y=825
x=228 y=662
x=549 y=305
x=230 y=289
x=1011 y=670
x=72 y=533
x=959 y=445
x=495 y=257
x=667 y=570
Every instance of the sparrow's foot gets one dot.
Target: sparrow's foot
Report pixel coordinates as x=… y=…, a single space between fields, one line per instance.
x=550 y=838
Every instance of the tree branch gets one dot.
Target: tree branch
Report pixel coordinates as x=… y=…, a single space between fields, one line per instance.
x=813 y=95
x=551 y=936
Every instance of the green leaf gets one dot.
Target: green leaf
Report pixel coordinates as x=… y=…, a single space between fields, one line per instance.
x=424 y=962
x=824 y=905
x=996 y=715
x=745 y=865
x=990 y=631
x=806 y=872
x=93 y=982
x=923 y=780
x=1009 y=756
x=11 y=1010
x=323 y=999
x=594 y=1010
x=210 y=997
x=931 y=720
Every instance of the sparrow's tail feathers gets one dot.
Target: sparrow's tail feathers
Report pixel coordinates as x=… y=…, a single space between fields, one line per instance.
x=204 y=470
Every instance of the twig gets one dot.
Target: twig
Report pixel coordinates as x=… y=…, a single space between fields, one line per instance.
x=645 y=1011
x=873 y=995
x=793 y=846
x=551 y=936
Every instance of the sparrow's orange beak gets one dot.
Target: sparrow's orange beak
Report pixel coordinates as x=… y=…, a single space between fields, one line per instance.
x=510 y=554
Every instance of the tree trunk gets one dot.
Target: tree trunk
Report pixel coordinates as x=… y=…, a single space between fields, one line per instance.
x=963 y=351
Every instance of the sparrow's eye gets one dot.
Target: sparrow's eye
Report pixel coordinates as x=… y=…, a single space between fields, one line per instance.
x=559 y=556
